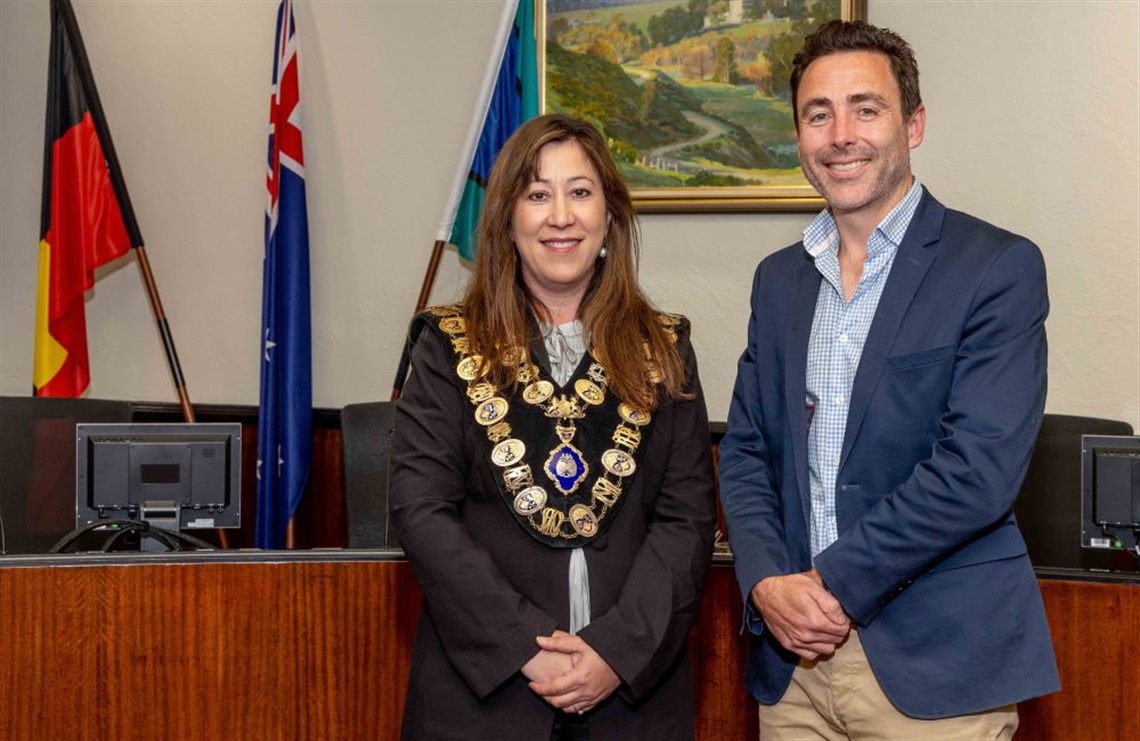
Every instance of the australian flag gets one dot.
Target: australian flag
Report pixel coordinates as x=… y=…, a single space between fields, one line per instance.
x=284 y=437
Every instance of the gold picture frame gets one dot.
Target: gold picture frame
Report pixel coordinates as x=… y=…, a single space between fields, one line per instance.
x=691 y=94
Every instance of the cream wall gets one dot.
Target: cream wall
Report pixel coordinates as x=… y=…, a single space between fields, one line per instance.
x=1032 y=124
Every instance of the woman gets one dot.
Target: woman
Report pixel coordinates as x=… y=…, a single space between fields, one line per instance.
x=552 y=481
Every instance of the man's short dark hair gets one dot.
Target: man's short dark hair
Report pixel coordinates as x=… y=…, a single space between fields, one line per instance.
x=835 y=37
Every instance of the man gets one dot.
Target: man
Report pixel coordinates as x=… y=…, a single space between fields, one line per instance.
x=883 y=417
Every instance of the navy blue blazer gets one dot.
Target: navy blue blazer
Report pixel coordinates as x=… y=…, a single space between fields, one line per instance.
x=944 y=411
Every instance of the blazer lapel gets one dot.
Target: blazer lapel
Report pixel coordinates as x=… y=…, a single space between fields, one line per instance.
x=539 y=355
x=911 y=264
x=805 y=292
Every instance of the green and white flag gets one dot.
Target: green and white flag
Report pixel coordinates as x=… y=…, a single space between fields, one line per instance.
x=508 y=97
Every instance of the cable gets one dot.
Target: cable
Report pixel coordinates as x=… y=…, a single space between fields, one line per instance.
x=116 y=536
x=172 y=540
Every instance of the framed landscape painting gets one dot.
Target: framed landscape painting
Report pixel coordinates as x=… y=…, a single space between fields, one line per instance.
x=692 y=95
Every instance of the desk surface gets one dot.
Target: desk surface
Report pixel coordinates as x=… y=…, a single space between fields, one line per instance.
x=244 y=555
x=349 y=555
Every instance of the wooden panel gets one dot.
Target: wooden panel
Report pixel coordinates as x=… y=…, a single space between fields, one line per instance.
x=1096 y=632
x=320 y=649
x=725 y=710
x=259 y=650
x=321 y=516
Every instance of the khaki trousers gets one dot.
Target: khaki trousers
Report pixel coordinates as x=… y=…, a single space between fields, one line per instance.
x=838 y=698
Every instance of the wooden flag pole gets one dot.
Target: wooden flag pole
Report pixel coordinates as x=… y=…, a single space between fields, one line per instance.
x=429 y=276
x=171 y=353
x=421 y=304
x=164 y=330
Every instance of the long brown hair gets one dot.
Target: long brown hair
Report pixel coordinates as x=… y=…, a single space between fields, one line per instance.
x=621 y=323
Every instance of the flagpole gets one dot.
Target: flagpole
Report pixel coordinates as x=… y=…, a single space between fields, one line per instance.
x=118 y=183
x=421 y=304
x=167 y=344
x=164 y=330
x=478 y=117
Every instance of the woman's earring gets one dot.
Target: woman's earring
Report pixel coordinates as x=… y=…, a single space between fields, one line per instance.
x=602 y=254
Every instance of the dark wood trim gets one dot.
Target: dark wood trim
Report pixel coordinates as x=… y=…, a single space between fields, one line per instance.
x=163 y=411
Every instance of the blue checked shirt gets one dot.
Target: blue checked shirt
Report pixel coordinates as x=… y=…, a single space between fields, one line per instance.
x=838 y=332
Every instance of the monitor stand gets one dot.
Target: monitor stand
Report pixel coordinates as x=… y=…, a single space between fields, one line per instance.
x=162 y=515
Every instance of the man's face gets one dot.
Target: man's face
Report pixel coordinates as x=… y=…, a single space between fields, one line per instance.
x=853 y=141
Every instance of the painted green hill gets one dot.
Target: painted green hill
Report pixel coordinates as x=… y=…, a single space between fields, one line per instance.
x=645 y=116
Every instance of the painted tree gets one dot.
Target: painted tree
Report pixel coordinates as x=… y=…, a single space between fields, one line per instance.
x=725 y=70
x=673 y=25
x=696 y=59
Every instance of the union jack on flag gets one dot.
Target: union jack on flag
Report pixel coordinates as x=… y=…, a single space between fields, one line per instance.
x=284 y=434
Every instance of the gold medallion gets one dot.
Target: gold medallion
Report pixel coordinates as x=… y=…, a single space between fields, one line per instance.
x=589 y=391
x=564 y=407
x=499 y=431
x=514 y=356
x=468 y=368
x=566 y=467
x=618 y=462
x=551 y=525
x=584 y=522
x=606 y=491
x=480 y=392
x=630 y=437
x=530 y=500
x=508 y=452
x=538 y=392
x=633 y=416
x=453 y=325
x=518 y=477
x=565 y=432
x=491 y=411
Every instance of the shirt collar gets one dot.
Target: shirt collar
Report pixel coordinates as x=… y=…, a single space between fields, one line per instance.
x=571 y=330
x=822 y=233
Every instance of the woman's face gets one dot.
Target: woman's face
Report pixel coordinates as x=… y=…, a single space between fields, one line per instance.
x=559 y=226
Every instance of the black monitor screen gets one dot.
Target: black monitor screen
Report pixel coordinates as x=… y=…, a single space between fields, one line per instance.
x=1110 y=490
x=189 y=472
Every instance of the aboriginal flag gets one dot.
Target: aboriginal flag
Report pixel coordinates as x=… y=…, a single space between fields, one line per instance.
x=86 y=215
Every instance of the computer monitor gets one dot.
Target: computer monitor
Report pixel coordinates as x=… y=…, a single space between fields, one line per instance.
x=173 y=476
x=1110 y=491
